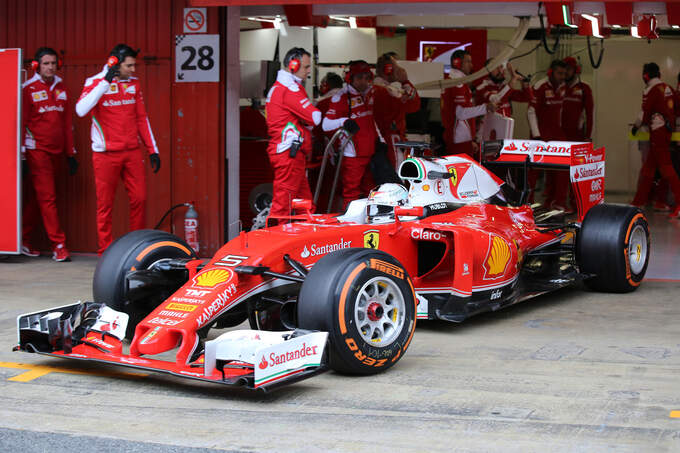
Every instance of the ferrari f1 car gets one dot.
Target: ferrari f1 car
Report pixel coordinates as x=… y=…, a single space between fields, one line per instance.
x=344 y=291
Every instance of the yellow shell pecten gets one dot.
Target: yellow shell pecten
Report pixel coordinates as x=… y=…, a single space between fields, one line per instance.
x=213 y=277
x=499 y=256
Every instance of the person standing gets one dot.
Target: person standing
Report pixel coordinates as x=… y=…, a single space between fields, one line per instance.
x=289 y=112
x=395 y=96
x=48 y=132
x=577 y=108
x=352 y=109
x=457 y=109
x=658 y=115
x=545 y=120
x=119 y=119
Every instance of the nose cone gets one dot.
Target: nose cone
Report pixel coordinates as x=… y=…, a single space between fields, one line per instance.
x=157 y=340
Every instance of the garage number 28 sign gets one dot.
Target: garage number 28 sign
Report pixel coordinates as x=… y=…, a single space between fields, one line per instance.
x=197 y=58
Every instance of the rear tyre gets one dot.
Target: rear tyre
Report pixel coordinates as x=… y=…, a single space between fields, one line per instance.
x=364 y=299
x=613 y=245
x=136 y=250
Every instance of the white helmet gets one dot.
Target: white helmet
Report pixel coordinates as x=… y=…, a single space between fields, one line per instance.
x=382 y=200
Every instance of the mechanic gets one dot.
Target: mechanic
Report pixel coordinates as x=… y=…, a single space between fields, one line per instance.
x=114 y=97
x=545 y=120
x=457 y=109
x=395 y=96
x=330 y=85
x=577 y=108
x=289 y=111
x=495 y=89
x=658 y=115
x=47 y=124
x=352 y=109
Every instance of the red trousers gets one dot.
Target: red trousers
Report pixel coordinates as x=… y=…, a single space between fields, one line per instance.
x=659 y=157
x=290 y=181
x=557 y=186
x=356 y=178
x=40 y=197
x=109 y=168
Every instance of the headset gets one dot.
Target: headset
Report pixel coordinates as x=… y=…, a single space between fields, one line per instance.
x=571 y=61
x=295 y=54
x=457 y=61
x=41 y=52
x=388 y=67
x=119 y=53
x=649 y=71
x=360 y=67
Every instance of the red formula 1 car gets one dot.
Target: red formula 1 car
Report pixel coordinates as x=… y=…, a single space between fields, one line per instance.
x=345 y=291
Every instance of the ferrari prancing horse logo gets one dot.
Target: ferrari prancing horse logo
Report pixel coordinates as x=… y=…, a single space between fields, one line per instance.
x=371 y=239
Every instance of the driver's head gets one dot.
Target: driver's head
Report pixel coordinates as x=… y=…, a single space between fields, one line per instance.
x=382 y=200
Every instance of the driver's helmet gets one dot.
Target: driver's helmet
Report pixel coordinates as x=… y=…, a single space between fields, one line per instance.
x=382 y=201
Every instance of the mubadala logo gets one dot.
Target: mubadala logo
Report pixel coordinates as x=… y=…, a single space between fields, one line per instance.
x=315 y=250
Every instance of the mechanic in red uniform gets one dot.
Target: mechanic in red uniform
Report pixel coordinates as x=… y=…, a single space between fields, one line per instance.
x=394 y=96
x=457 y=109
x=495 y=89
x=352 y=109
x=545 y=121
x=289 y=111
x=330 y=85
x=48 y=131
x=114 y=97
x=577 y=108
x=657 y=114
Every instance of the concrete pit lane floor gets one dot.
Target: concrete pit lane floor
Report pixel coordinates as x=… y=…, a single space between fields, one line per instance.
x=573 y=371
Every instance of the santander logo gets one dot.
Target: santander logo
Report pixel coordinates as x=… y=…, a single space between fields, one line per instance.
x=305 y=253
x=510 y=147
x=263 y=364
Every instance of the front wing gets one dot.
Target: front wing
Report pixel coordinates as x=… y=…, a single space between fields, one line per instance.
x=247 y=358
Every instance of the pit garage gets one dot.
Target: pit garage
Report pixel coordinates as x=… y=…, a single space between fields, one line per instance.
x=571 y=370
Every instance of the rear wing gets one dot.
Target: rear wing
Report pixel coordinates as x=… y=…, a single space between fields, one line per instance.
x=584 y=163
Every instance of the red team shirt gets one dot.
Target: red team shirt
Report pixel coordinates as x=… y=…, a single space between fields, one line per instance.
x=46 y=116
x=118 y=116
x=577 y=111
x=349 y=103
x=501 y=94
x=546 y=102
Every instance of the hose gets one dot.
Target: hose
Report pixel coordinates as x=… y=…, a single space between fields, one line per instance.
x=169 y=211
x=590 y=53
x=544 y=39
x=499 y=59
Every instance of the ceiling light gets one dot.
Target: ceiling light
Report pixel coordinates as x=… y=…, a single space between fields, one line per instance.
x=616 y=26
x=634 y=31
x=675 y=26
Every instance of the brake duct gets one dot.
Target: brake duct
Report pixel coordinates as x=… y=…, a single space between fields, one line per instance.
x=499 y=59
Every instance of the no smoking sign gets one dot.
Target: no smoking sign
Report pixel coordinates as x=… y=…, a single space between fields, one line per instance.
x=195 y=20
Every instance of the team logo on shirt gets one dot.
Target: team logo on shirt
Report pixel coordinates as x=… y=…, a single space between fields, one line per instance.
x=130 y=89
x=61 y=95
x=39 y=96
x=113 y=88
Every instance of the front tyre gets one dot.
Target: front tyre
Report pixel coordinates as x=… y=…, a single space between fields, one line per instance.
x=136 y=250
x=364 y=299
x=613 y=246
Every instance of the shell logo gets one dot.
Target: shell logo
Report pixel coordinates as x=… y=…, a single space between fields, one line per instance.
x=498 y=257
x=212 y=278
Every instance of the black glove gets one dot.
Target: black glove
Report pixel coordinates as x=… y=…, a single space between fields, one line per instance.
x=350 y=126
x=111 y=73
x=72 y=165
x=155 y=161
x=633 y=130
x=669 y=126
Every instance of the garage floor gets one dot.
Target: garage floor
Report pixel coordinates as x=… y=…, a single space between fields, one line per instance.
x=568 y=372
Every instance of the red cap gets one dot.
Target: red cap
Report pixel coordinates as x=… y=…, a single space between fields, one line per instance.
x=571 y=61
x=358 y=67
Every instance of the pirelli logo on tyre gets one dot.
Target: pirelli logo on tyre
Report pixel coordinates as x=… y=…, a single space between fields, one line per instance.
x=387 y=268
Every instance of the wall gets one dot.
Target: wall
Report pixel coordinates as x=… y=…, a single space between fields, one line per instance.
x=184 y=118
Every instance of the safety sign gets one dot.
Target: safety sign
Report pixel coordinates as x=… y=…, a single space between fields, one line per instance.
x=197 y=58
x=195 y=20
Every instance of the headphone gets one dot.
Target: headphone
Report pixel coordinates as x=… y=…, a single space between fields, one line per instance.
x=294 y=65
x=571 y=61
x=41 y=52
x=119 y=53
x=457 y=63
x=646 y=77
x=358 y=65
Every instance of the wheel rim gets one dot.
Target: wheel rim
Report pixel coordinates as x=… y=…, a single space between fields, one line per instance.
x=637 y=249
x=379 y=312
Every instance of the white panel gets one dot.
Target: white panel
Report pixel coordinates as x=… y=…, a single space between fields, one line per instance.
x=419 y=72
x=343 y=44
x=258 y=45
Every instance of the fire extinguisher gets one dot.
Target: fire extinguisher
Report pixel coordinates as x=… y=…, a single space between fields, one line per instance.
x=191 y=227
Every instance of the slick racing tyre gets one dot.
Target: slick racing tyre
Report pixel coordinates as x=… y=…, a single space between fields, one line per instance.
x=613 y=245
x=364 y=299
x=135 y=251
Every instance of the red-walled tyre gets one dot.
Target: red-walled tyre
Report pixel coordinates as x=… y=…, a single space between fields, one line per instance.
x=364 y=299
x=613 y=247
